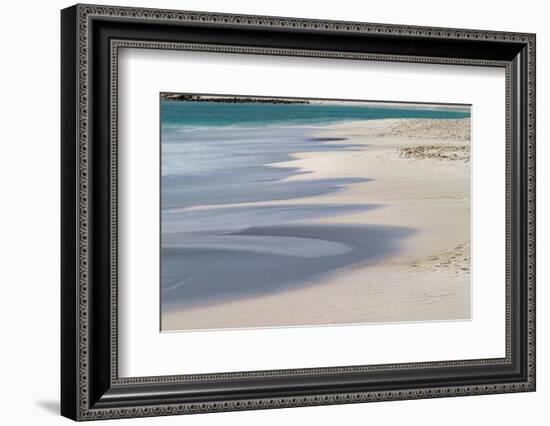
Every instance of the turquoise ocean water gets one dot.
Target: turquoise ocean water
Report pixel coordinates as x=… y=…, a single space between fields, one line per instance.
x=217 y=114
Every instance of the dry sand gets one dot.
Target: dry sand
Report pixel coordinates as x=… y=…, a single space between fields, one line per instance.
x=421 y=175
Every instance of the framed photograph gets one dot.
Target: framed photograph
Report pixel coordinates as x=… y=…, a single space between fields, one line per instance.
x=263 y=212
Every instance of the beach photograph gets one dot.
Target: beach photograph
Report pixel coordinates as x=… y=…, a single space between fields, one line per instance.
x=285 y=212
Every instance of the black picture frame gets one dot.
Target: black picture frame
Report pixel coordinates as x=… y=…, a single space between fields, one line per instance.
x=90 y=38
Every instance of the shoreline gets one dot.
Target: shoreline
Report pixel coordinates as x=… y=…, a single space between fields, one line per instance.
x=427 y=280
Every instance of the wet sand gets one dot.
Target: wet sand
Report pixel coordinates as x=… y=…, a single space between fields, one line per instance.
x=269 y=260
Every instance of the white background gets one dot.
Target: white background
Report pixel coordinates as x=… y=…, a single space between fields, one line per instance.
x=146 y=352
x=29 y=229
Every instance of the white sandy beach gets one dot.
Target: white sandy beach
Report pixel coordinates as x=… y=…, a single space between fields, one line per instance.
x=420 y=175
